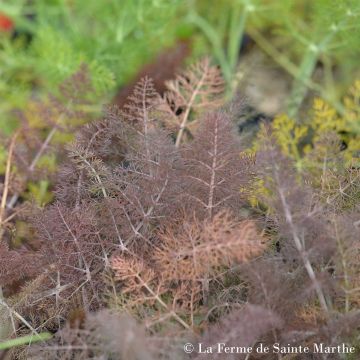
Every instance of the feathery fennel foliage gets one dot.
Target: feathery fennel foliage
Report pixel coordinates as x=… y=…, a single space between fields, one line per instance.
x=155 y=224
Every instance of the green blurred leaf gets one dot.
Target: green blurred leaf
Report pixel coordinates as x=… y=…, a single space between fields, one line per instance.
x=24 y=340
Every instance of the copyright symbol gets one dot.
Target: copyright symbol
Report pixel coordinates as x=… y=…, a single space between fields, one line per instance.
x=188 y=348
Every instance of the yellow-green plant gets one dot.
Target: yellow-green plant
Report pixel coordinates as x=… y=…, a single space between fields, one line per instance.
x=296 y=139
x=314 y=145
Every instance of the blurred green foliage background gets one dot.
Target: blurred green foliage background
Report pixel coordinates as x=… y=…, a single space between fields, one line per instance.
x=115 y=38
